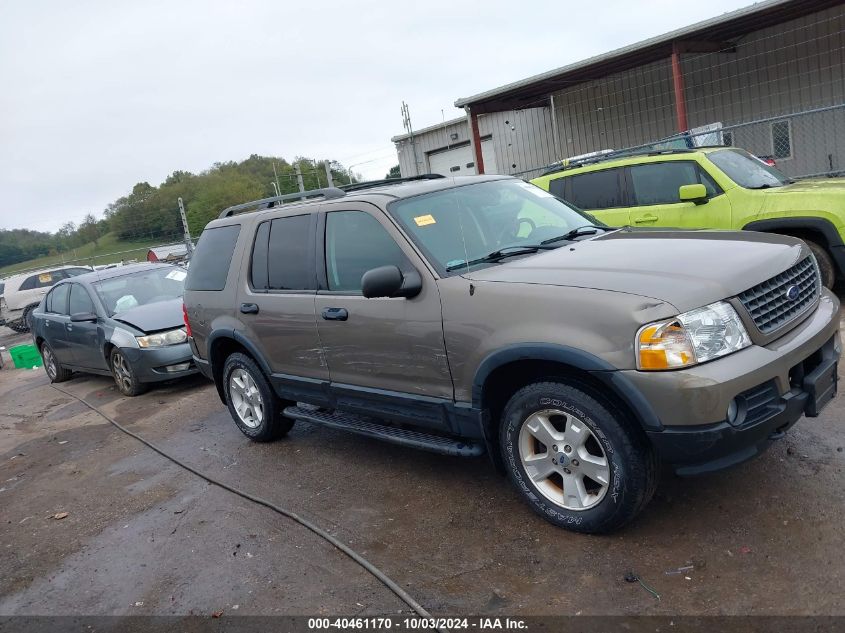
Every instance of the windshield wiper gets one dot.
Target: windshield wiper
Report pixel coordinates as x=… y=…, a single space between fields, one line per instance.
x=507 y=251
x=577 y=231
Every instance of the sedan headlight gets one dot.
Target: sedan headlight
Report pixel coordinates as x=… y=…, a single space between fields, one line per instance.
x=691 y=338
x=162 y=339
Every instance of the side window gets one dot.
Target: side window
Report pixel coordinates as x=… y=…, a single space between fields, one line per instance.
x=658 y=183
x=258 y=266
x=80 y=300
x=596 y=190
x=57 y=299
x=212 y=257
x=557 y=187
x=355 y=243
x=289 y=264
x=29 y=283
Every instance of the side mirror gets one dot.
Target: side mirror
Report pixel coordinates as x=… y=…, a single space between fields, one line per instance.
x=389 y=281
x=83 y=317
x=693 y=193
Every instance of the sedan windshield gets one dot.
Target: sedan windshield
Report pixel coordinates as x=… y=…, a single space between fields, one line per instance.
x=746 y=170
x=123 y=293
x=481 y=224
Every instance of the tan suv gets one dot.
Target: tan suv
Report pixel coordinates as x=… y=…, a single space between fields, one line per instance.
x=482 y=314
x=23 y=292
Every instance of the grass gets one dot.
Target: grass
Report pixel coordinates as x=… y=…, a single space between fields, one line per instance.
x=107 y=250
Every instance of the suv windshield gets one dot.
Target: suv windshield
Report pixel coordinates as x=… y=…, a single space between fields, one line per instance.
x=120 y=294
x=747 y=171
x=476 y=225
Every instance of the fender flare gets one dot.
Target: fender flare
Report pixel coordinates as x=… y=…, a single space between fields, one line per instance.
x=825 y=227
x=240 y=339
x=600 y=369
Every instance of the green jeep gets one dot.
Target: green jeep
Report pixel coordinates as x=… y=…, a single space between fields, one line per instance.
x=713 y=187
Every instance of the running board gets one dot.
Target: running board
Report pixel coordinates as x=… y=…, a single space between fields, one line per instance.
x=363 y=425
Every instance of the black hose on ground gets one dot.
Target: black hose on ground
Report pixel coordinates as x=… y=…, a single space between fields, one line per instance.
x=363 y=562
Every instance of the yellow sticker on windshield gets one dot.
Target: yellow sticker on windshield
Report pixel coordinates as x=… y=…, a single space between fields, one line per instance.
x=425 y=220
x=45 y=278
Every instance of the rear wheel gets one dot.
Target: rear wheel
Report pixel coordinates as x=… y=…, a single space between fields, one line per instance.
x=825 y=261
x=253 y=405
x=575 y=458
x=55 y=372
x=24 y=324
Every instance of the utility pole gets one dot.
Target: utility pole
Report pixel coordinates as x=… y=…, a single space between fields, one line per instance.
x=275 y=188
x=299 y=180
x=328 y=174
x=188 y=243
x=406 y=123
x=276 y=175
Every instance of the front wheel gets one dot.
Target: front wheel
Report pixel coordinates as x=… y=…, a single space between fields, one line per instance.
x=827 y=268
x=125 y=376
x=575 y=458
x=251 y=401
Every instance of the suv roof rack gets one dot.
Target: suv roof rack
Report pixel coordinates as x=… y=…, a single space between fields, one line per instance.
x=265 y=203
x=622 y=153
x=371 y=184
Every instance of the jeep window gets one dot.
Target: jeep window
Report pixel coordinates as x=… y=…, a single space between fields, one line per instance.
x=355 y=243
x=152 y=285
x=290 y=266
x=41 y=280
x=57 y=299
x=658 y=183
x=258 y=265
x=463 y=224
x=747 y=171
x=211 y=259
x=80 y=300
x=595 y=190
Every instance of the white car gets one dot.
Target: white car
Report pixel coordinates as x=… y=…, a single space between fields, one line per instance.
x=23 y=292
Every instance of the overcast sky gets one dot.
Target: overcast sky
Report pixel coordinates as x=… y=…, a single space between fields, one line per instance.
x=96 y=96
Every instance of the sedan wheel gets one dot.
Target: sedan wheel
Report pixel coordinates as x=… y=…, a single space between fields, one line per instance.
x=246 y=398
x=55 y=372
x=124 y=376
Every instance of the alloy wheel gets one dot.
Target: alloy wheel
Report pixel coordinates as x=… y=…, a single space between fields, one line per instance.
x=564 y=459
x=246 y=398
x=49 y=362
x=122 y=373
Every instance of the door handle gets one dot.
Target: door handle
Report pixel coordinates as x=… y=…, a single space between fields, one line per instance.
x=249 y=308
x=645 y=219
x=335 y=314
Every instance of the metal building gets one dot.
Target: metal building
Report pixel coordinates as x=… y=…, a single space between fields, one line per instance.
x=769 y=77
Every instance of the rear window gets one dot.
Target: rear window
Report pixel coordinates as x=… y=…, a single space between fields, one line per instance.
x=594 y=190
x=212 y=258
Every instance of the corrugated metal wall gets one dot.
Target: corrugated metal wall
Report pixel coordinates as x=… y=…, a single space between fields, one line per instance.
x=776 y=71
x=521 y=139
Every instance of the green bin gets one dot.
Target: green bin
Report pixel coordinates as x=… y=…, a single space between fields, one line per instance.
x=25 y=356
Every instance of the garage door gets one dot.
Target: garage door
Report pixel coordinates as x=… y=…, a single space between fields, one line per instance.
x=460 y=161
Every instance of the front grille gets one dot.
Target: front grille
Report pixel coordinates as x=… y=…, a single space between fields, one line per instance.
x=768 y=304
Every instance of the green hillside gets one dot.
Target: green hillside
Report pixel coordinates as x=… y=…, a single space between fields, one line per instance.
x=108 y=249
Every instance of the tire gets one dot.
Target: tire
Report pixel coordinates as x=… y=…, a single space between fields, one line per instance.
x=253 y=405
x=826 y=266
x=55 y=372
x=587 y=430
x=23 y=324
x=124 y=375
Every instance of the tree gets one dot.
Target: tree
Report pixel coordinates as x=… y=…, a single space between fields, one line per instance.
x=394 y=172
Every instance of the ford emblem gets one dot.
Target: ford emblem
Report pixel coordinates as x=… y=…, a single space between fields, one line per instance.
x=793 y=292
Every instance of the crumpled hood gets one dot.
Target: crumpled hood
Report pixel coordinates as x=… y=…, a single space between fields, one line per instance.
x=687 y=269
x=154 y=317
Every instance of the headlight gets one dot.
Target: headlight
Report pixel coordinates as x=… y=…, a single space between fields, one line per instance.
x=161 y=339
x=691 y=338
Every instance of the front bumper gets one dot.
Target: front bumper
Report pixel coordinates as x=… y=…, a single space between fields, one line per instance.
x=771 y=387
x=161 y=363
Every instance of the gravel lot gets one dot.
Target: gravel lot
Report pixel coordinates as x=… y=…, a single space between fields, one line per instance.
x=143 y=536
